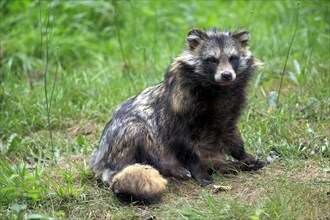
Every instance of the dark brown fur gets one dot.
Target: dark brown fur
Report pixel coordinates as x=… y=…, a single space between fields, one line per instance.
x=185 y=125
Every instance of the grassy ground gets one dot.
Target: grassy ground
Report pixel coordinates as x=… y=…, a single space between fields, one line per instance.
x=101 y=53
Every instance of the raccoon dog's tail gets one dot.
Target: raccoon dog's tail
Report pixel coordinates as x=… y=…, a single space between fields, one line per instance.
x=137 y=182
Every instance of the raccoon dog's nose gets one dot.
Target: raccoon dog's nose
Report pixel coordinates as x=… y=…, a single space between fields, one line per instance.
x=226 y=76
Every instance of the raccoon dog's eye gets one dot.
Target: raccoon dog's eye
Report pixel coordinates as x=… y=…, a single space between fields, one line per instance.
x=233 y=58
x=212 y=60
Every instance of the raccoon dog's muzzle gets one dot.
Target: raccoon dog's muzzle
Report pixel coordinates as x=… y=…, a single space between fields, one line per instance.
x=225 y=75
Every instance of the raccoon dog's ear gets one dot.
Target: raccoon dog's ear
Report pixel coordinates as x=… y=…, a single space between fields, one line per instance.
x=195 y=37
x=242 y=36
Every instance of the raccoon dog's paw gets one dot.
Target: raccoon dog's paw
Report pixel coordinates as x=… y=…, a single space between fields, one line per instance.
x=252 y=164
x=204 y=180
x=180 y=173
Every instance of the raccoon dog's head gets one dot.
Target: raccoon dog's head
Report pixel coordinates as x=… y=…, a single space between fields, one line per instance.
x=222 y=58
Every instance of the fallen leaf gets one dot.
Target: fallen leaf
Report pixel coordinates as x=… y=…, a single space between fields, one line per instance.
x=218 y=188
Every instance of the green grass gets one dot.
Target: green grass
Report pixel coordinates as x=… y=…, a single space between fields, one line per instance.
x=107 y=51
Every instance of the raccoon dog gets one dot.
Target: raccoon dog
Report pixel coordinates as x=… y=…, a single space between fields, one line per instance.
x=183 y=126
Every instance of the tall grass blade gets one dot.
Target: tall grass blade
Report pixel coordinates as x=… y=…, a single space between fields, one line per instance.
x=288 y=54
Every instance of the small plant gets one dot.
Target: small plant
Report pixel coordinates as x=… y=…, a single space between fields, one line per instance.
x=19 y=182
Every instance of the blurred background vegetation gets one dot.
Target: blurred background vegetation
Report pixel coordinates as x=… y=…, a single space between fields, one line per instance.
x=108 y=50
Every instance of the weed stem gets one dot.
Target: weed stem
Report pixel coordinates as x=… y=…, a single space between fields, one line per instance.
x=45 y=61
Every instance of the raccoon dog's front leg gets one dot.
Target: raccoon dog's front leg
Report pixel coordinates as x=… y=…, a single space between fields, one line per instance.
x=192 y=162
x=235 y=147
x=198 y=172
